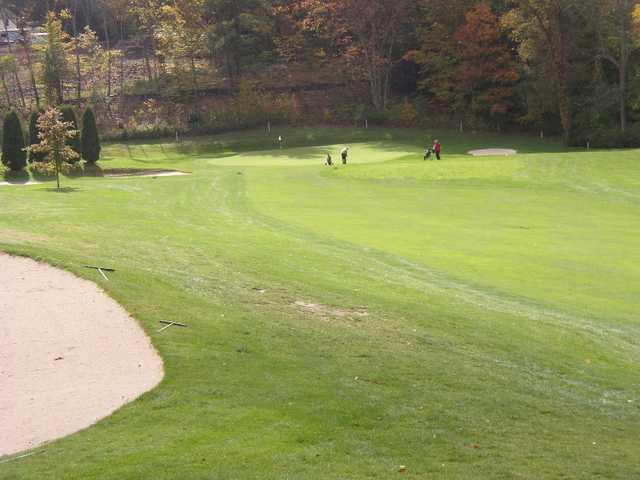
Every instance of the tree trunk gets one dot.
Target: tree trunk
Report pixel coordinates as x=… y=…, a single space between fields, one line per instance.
x=107 y=40
x=60 y=90
x=26 y=43
x=122 y=67
x=6 y=88
x=560 y=60
x=194 y=75
x=77 y=51
x=623 y=96
x=147 y=61
x=624 y=12
x=16 y=77
x=19 y=85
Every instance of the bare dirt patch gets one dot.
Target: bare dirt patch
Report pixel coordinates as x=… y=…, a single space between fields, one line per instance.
x=8 y=235
x=69 y=355
x=327 y=312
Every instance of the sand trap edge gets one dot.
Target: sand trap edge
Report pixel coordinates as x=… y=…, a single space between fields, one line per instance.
x=68 y=380
x=107 y=174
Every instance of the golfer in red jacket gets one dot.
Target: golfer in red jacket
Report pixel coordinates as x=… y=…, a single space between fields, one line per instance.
x=437 y=148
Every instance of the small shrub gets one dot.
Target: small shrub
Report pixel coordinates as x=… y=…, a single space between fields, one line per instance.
x=72 y=169
x=14 y=156
x=48 y=169
x=607 y=138
x=407 y=114
x=43 y=169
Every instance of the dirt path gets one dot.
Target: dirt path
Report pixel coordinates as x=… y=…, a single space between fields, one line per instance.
x=69 y=355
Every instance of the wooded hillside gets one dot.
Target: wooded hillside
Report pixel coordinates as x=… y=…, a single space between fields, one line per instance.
x=566 y=67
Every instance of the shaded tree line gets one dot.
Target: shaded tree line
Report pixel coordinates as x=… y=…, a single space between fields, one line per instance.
x=555 y=66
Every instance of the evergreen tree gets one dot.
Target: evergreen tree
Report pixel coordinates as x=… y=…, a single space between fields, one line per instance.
x=69 y=116
x=34 y=138
x=13 y=155
x=90 y=138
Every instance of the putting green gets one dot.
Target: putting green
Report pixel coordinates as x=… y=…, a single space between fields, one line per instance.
x=470 y=318
x=359 y=153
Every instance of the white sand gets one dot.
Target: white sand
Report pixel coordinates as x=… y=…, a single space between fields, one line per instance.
x=19 y=184
x=69 y=355
x=490 y=152
x=106 y=175
x=137 y=174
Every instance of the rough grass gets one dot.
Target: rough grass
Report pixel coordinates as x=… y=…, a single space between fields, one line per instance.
x=501 y=295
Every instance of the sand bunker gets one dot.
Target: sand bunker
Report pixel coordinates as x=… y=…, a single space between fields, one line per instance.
x=69 y=355
x=491 y=152
x=18 y=184
x=132 y=172
x=111 y=173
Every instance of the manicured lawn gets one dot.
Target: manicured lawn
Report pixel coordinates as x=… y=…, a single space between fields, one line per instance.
x=501 y=337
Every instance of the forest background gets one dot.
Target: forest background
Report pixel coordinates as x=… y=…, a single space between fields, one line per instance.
x=153 y=68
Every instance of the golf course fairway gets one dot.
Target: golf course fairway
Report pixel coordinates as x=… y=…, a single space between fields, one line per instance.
x=473 y=318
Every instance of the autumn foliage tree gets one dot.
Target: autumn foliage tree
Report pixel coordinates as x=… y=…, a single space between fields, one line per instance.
x=544 y=30
x=487 y=72
x=54 y=136
x=55 y=64
x=362 y=34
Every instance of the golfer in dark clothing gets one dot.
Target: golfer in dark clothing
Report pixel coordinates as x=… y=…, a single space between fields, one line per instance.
x=329 y=160
x=344 y=153
x=437 y=148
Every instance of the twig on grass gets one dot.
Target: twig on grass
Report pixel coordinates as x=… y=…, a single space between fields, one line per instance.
x=171 y=324
x=101 y=270
x=105 y=269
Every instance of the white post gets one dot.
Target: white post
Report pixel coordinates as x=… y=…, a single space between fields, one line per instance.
x=366 y=123
x=269 y=126
x=461 y=127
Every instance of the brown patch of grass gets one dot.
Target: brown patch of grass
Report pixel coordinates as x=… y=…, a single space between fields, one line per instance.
x=326 y=312
x=8 y=235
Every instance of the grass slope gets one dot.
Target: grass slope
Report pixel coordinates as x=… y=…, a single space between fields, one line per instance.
x=501 y=339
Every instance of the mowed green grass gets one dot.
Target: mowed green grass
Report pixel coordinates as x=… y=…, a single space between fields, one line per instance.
x=502 y=335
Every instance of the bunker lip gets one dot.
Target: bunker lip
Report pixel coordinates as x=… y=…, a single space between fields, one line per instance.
x=109 y=173
x=19 y=184
x=69 y=355
x=135 y=172
x=493 y=152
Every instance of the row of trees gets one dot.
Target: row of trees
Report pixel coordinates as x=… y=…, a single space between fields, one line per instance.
x=564 y=65
x=53 y=137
